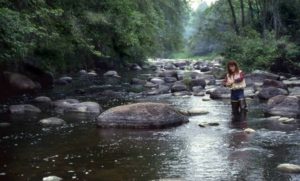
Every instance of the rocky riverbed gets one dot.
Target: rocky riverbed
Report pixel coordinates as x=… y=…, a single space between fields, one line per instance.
x=63 y=132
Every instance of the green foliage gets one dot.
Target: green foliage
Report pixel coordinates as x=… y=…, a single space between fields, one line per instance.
x=66 y=34
x=267 y=33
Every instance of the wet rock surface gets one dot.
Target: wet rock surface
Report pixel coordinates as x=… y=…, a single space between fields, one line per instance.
x=141 y=115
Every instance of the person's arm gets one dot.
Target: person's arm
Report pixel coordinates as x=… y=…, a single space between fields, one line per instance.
x=242 y=77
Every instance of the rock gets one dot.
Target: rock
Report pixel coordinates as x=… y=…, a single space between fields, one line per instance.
x=135 y=67
x=35 y=73
x=162 y=89
x=249 y=130
x=19 y=83
x=295 y=91
x=170 y=79
x=23 y=108
x=269 y=92
x=53 y=121
x=42 y=99
x=292 y=83
x=287 y=120
x=168 y=73
x=4 y=124
x=206 y=99
x=157 y=81
x=178 y=87
x=136 y=81
x=202 y=125
x=289 y=168
x=214 y=124
x=198 y=82
x=205 y=69
x=169 y=66
x=111 y=73
x=52 y=178
x=182 y=93
x=64 y=80
x=220 y=93
x=83 y=72
x=181 y=64
x=92 y=73
x=150 y=85
x=197 y=111
x=287 y=106
x=259 y=76
x=72 y=105
x=197 y=89
x=274 y=83
x=141 y=115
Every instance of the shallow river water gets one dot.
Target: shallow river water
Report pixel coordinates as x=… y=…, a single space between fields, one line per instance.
x=81 y=151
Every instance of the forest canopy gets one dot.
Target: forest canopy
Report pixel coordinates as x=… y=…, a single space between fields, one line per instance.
x=62 y=34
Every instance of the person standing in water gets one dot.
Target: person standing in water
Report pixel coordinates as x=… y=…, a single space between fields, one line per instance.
x=235 y=80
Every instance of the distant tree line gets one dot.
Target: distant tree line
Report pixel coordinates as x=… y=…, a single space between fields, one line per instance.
x=261 y=34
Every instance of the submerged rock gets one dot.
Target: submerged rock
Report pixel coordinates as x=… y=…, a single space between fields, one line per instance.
x=23 y=108
x=53 y=121
x=141 y=115
x=290 y=168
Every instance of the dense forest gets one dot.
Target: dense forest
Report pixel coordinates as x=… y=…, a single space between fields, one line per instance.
x=61 y=35
x=260 y=34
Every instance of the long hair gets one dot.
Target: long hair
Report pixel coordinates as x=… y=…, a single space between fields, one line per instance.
x=232 y=63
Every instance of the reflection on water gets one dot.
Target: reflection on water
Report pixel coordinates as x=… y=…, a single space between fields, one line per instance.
x=80 y=151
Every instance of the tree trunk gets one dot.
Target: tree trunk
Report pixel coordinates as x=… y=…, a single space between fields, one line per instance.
x=242 y=12
x=235 y=25
x=251 y=11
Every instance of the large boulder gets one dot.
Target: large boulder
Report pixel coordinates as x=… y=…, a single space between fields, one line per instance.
x=287 y=106
x=269 y=92
x=274 y=83
x=18 y=83
x=23 y=108
x=220 y=93
x=259 y=76
x=141 y=115
x=44 y=78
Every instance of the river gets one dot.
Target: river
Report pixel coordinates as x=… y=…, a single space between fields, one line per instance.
x=81 y=151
